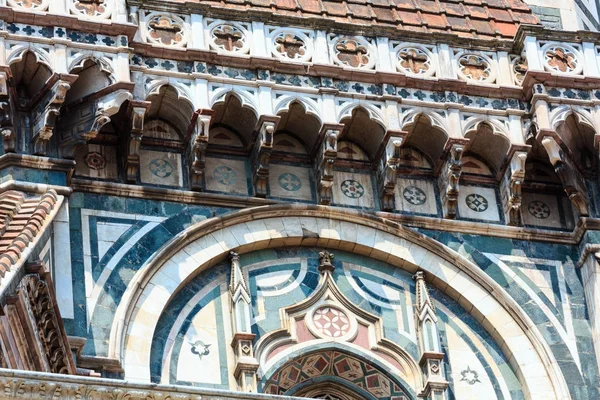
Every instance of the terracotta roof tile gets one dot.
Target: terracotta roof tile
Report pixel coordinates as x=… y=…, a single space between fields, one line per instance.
x=485 y=19
x=21 y=220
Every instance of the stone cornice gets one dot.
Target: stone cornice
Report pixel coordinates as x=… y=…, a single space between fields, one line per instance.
x=44 y=386
x=37 y=162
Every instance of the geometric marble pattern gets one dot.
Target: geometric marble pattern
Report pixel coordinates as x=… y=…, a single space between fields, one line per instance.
x=290 y=182
x=350 y=189
x=356 y=373
x=478 y=203
x=416 y=196
x=544 y=210
x=97 y=161
x=160 y=168
x=225 y=175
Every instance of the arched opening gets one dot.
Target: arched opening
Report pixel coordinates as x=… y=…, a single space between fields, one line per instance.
x=91 y=78
x=29 y=80
x=240 y=120
x=486 y=152
x=579 y=140
x=428 y=142
x=301 y=130
x=364 y=131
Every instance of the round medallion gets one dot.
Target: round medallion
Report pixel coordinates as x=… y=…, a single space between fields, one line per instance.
x=95 y=8
x=520 y=68
x=414 y=195
x=353 y=52
x=539 y=209
x=166 y=30
x=353 y=189
x=413 y=61
x=290 y=45
x=475 y=67
x=29 y=4
x=225 y=175
x=95 y=160
x=561 y=59
x=161 y=168
x=229 y=38
x=331 y=321
x=289 y=182
x=477 y=202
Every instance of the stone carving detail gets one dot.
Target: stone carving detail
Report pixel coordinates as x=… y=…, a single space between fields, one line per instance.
x=229 y=38
x=414 y=61
x=83 y=122
x=520 y=68
x=132 y=164
x=261 y=156
x=571 y=179
x=561 y=59
x=45 y=121
x=388 y=173
x=449 y=179
x=290 y=45
x=475 y=67
x=325 y=161
x=198 y=144
x=331 y=321
x=38 y=5
x=166 y=30
x=91 y=8
x=511 y=188
x=9 y=139
x=326 y=261
x=353 y=52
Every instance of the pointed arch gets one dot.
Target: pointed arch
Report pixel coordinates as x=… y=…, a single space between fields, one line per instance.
x=207 y=243
x=18 y=52
x=247 y=98
x=310 y=105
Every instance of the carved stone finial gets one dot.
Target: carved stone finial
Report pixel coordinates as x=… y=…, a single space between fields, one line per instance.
x=326 y=261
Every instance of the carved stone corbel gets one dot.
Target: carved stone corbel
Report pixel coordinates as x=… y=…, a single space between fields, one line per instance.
x=450 y=176
x=571 y=179
x=45 y=121
x=82 y=122
x=325 y=160
x=132 y=164
x=511 y=186
x=261 y=155
x=388 y=170
x=198 y=145
x=7 y=129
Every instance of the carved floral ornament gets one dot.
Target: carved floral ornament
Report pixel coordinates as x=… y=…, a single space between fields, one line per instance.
x=414 y=61
x=291 y=45
x=229 y=38
x=475 y=67
x=353 y=52
x=91 y=8
x=562 y=58
x=166 y=29
x=39 y=5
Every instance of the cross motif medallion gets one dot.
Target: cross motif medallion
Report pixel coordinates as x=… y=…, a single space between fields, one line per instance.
x=414 y=61
x=352 y=53
x=165 y=31
x=30 y=3
x=228 y=37
x=290 y=45
x=90 y=7
x=474 y=67
x=520 y=68
x=561 y=59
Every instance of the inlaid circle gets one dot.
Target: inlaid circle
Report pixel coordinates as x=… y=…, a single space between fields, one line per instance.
x=539 y=209
x=477 y=202
x=331 y=321
x=289 y=182
x=225 y=175
x=161 y=168
x=353 y=189
x=414 y=195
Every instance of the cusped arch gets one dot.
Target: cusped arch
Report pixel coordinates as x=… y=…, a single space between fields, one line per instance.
x=183 y=93
x=561 y=113
x=311 y=106
x=347 y=109
x=410 y=117
x=247 y=99
x=103 y=63
x=209 y=242
x=18 y=53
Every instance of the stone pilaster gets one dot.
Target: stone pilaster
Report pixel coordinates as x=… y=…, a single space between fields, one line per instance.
x=387 y=174
x=510 y=187
x=449 y=177
x=261 y=155
x=325 y=161
x=590 y=276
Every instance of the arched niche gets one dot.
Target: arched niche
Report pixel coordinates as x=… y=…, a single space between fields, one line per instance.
x=207 y=244
x=364 y=131
x=91 y=78
x=29 y=78
x=300 y=126
x=427 y=138
x=488 y=146
x=239 y=119
x=579 y=138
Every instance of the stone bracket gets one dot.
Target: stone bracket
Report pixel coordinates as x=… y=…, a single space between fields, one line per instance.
x=387 y=174
x=7 y=128
x=261 y=154
x=325 y=160
x=198 y=146
x=45 y=120
x=571 y=179
x=510 y=187
x=83 y=121
x=449 y=177
x=132 y=163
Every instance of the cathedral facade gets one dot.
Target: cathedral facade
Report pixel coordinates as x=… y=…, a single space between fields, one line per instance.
x=268 y=199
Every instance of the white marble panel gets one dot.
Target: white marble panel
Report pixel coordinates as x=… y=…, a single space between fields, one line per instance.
x=352 y=189
x=416 y=196
x=542 y=210
x=108 y=233
x=290 y=182
x=229 y=176
x=475 y=202
x=160 y=168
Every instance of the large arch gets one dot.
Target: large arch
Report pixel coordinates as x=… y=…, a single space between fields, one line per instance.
x=205 y=244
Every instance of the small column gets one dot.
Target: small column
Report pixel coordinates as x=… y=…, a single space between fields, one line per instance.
x=428 y=338
x=132 y=163
x=510 y=187
x=387 y=174
x=246 y=364
x=261 y=155
x=325 y=161
x=9 y=137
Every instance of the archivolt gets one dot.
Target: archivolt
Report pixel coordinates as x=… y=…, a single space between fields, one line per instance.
x=208 y=243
